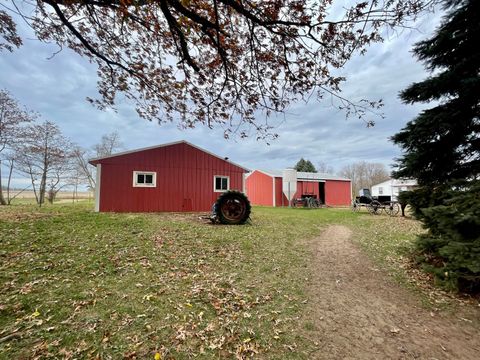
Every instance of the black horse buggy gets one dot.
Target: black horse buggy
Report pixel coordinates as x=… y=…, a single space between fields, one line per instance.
x=375 y=205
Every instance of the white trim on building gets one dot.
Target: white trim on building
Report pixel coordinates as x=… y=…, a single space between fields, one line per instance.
x=143 y=175
x=97 y=187
x=221 y=189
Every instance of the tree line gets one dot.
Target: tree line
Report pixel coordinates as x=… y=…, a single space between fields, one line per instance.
x=37 y=149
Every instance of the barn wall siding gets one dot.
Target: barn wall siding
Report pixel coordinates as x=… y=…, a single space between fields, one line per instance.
x=337 y=193
x=260 y=188
x=184 y=180
x=280 y=198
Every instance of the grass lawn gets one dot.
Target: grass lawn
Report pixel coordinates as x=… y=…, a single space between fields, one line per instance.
x=79 y=284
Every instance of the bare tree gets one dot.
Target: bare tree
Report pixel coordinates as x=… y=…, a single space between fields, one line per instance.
x=60 y=176
x=12 y=118
x=10 y=159
x=12 y=193
x=215 y=62
x=10 y=162
x=364 y=174
x=323 y=167
x=43 y=155
x=109 y=144
x=85 y=173
x=77 y=178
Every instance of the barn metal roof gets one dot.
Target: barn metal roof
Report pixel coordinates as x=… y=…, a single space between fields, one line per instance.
x=304 y=175
x=164 y=145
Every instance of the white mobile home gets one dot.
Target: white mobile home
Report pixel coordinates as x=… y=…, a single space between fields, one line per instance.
x=393 y=187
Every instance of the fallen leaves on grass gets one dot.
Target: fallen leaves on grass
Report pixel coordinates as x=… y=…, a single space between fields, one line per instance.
x=133 y=286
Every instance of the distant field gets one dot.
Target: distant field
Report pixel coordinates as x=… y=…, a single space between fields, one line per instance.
x=62 y=195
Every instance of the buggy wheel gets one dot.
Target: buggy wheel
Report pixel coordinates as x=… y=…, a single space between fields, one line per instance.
x=355 y=206
x=312 y=203
x=374 y=207
x=392 y=208
x=233 y=208
x=309 y=202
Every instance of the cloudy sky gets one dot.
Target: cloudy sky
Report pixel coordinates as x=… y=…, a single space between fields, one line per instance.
x=57 y=87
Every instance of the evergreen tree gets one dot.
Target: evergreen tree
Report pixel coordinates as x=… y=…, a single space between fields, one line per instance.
x=442 y=148
x=305 y=166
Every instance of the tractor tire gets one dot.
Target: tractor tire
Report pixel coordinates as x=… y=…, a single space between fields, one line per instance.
x=233 y=208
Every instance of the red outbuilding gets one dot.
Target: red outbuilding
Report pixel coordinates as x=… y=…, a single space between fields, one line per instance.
x=265 y=187
x=175 y=177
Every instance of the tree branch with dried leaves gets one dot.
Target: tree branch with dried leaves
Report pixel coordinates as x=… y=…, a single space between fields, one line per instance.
x=227 y=63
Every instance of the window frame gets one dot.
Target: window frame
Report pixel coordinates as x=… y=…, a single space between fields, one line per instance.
x=139 y=172
x=215 y=177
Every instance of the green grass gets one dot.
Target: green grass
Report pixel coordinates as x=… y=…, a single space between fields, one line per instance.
x=79 y=284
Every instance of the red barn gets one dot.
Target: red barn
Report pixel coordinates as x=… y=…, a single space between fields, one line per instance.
x=176 y=177
x=265 y=187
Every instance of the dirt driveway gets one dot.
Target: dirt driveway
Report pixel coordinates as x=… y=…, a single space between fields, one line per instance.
x=360 y=313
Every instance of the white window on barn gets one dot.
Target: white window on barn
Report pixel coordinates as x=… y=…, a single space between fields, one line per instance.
x=221 y=183
x=144 y=179
x=380 y=190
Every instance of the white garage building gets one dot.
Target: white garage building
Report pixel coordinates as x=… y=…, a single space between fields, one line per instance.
x=393 y=187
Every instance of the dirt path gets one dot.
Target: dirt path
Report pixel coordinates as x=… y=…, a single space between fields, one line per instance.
x=362 y=314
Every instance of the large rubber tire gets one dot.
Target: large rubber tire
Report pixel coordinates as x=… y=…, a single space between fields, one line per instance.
x=233 y=207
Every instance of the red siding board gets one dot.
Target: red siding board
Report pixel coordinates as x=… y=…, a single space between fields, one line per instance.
x=259 y=187
x=337 y=193
x=184 y=180
x=280 y=198
x=310 y=188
